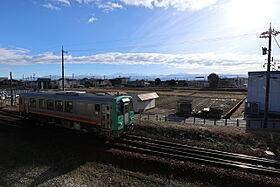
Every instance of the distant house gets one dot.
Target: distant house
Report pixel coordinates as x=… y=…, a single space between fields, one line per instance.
x=6 y=83
x=233 y=82
x=120 y=81
x=143 y=102
x=138 y=83
x=68 y=83
x=44 y=83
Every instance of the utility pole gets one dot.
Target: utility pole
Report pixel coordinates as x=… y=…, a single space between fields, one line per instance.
x=267 y=34
x=62 y=66
x=11 y=88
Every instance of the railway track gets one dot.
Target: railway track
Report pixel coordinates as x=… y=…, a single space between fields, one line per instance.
x=176 y=151
x=204 y=156
x=11 y=119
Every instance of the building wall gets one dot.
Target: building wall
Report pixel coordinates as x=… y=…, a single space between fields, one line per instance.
x=256 y=90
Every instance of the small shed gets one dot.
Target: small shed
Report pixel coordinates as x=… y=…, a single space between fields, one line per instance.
x=144 y=101
x=184 y=108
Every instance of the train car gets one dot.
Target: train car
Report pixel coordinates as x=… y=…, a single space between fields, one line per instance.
x=106 y=115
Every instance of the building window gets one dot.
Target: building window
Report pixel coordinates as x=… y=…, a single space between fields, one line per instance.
x=32 y=103
x=69 y=106
x=41 y=103
x=50 y=104
x=59 y=106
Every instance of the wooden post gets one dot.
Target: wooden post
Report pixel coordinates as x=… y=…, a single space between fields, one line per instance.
x=215 y=121
x=11 y=87
x=237 y=123
x=194 y=120
x=225 y=122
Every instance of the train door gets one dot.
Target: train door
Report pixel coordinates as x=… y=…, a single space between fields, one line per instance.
x=125 y=112
x=25 y=105
x=106 y=116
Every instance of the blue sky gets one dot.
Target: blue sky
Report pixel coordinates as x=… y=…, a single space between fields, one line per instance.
x=143 y=37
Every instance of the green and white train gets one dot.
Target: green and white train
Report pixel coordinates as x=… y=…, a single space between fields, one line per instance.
x=105 y=115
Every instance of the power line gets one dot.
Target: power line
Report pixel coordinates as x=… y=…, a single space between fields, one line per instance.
x=276 y=41
x=164 y=44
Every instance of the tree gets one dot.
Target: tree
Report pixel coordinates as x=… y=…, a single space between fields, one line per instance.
x=213 y=80
x=157 y=81
x=172 y=82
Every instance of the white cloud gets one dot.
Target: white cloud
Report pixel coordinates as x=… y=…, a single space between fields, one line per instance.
x=50 y=6
x=67 y=2
x=205 y=62
x=109 y=6
x=180 y=5
x=92 y=19
x=86 y=1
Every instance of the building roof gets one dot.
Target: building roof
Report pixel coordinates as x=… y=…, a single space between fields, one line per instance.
x=147 y=96
x=262 y=72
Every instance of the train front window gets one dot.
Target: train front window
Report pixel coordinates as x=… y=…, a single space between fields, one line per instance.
x=119 y=108
x=126 y=107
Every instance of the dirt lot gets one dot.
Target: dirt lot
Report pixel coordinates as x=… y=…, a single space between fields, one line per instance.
x=166 y=103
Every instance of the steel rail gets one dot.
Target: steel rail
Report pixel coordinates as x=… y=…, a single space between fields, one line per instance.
x=204 y=158
x=213 y=152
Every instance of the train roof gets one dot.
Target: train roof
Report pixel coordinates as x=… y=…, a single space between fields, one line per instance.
x=73 y=95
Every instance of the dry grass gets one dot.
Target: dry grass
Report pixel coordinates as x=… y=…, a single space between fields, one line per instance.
x=231 y=139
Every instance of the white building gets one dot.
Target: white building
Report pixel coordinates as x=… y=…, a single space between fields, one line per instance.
x=142 y=102
x=255 y=105
x=256 y=91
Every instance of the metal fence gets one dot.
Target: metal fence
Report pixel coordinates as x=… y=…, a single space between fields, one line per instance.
x=193 y=120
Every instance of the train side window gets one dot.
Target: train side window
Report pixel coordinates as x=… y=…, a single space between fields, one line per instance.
x=68 y=106
x=41 y=103
x=32 y=102
x=59 y=105
x=50 y=104
x=97 y=109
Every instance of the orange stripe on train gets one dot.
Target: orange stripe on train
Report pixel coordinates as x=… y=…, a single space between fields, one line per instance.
x=95 y=122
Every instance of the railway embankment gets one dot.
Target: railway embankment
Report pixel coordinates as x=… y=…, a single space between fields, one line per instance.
x=59 y=157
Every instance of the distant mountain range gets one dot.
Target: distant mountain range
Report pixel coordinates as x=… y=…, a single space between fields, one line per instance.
x=132 y=76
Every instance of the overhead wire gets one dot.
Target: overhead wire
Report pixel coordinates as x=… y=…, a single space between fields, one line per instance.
x=276 y=42
x=163 y=44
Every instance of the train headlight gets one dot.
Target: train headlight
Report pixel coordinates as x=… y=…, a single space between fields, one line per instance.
x=119 y=123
